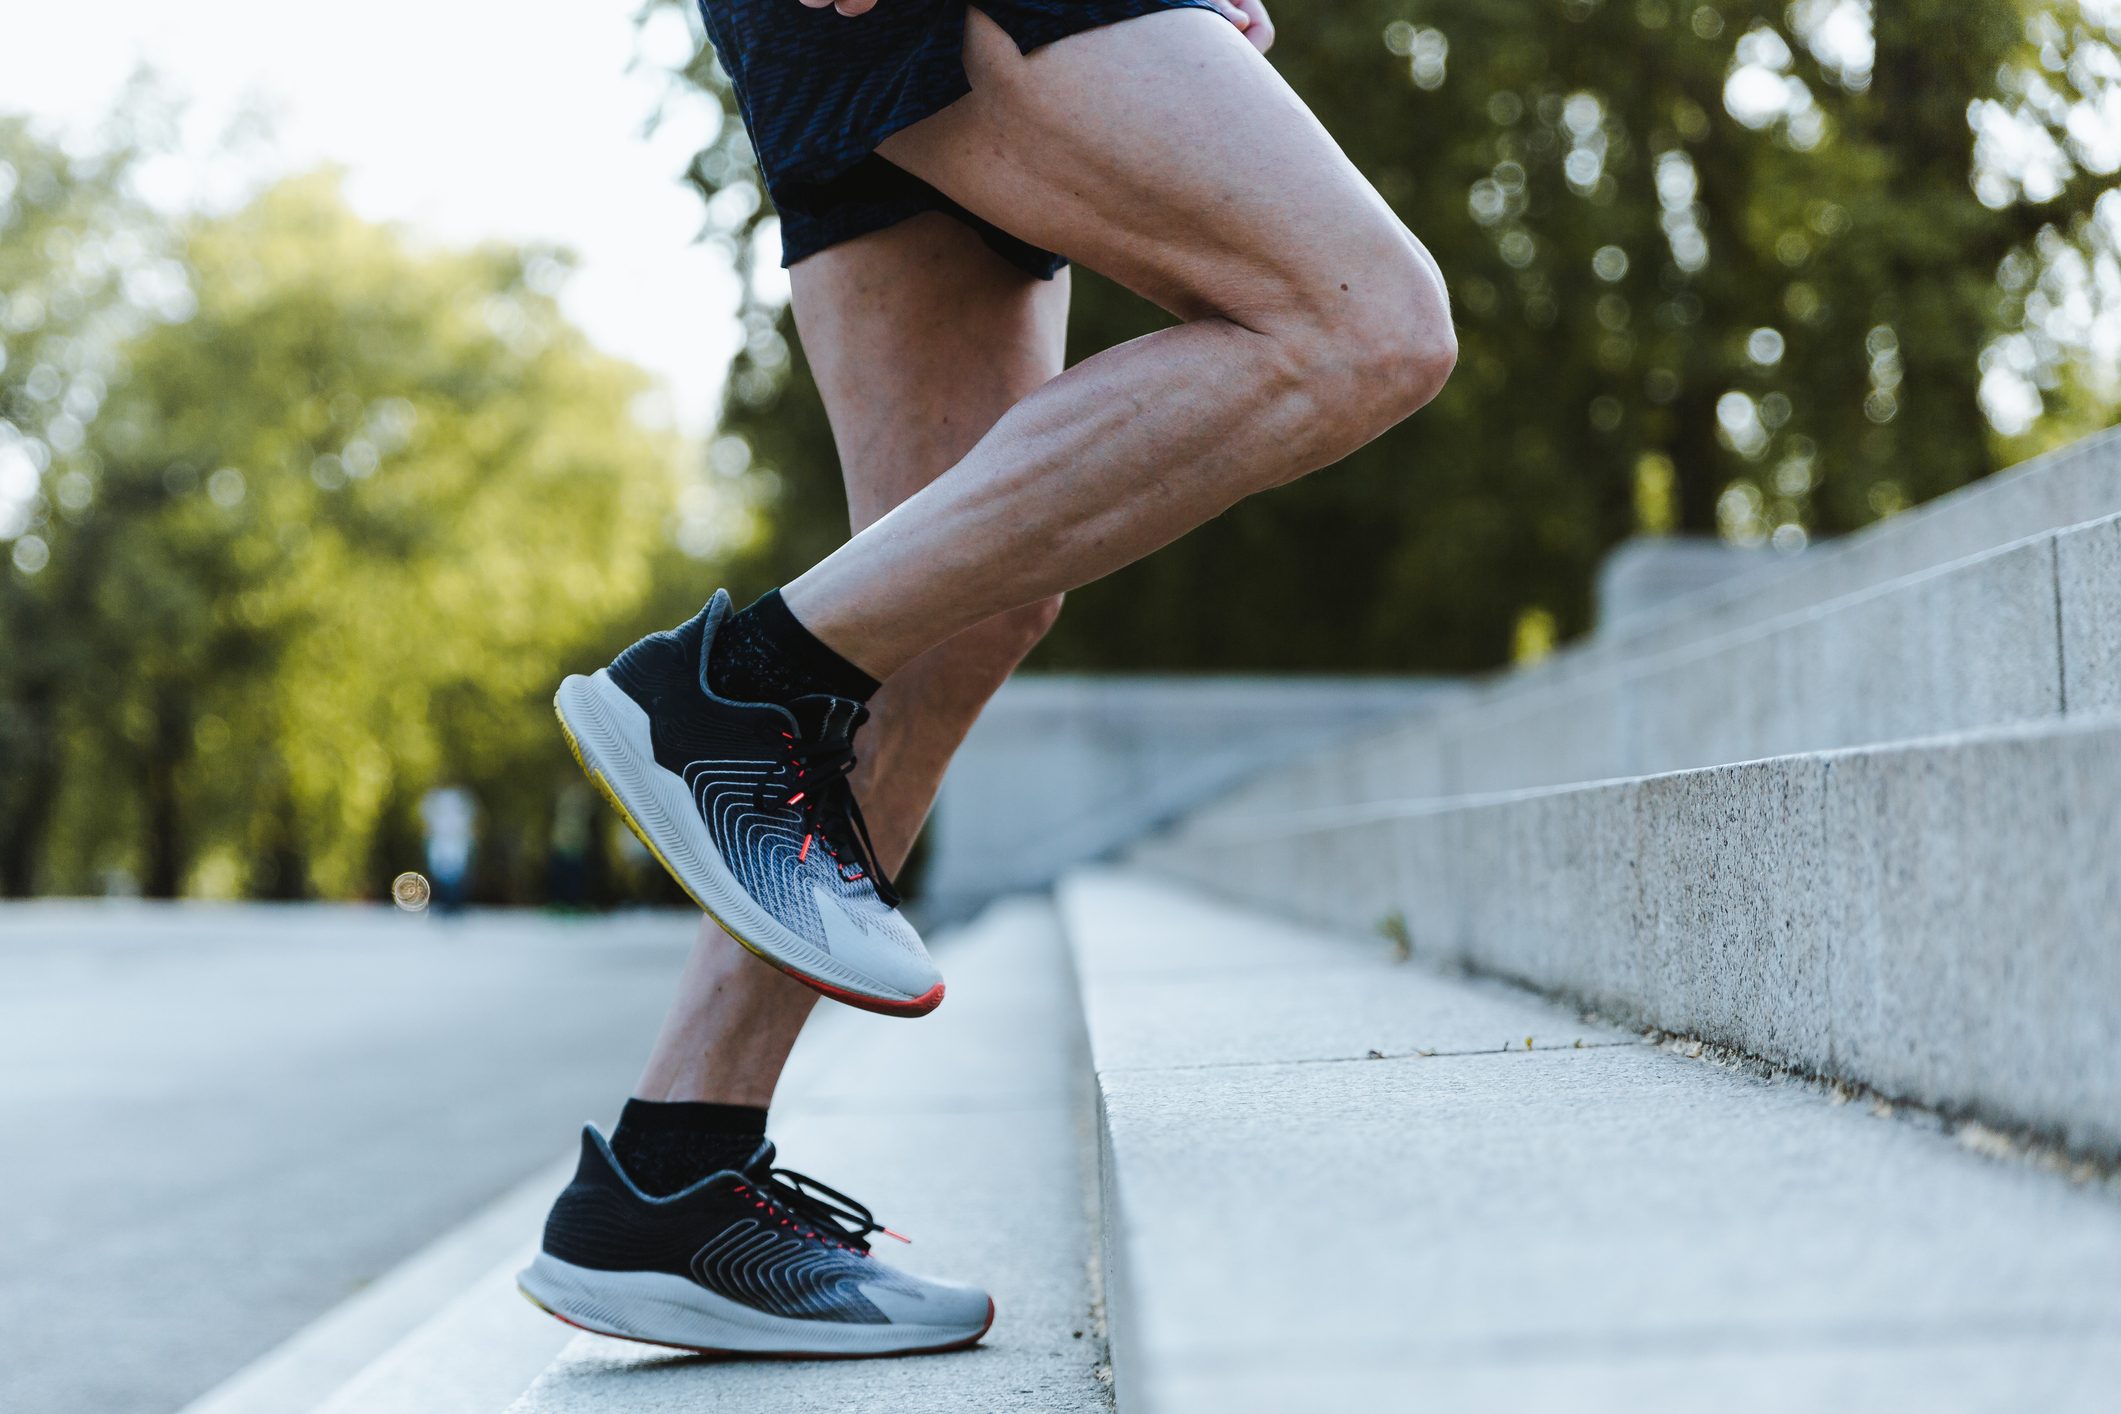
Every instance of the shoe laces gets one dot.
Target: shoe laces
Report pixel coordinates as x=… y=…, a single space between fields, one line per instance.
x=813 y=782
x=811 y=1209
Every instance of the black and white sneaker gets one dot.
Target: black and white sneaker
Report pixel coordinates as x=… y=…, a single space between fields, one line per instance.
x=758 y=1262
x=747 y=805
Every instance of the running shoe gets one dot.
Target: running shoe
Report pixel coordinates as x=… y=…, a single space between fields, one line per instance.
x=757 y=1261
x=747 y=805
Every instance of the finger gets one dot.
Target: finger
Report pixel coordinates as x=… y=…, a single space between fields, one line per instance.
x=816 y=4
x=851 y=8
x=1233 y=13
x=1261 y=30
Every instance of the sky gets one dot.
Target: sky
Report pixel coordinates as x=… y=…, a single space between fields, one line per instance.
x=464 y=120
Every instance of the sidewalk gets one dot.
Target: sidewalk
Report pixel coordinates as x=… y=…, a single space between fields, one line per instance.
x=224 y=1121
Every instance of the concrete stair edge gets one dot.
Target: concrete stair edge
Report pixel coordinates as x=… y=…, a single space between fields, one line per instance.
x=2024 y=632
x=1594 y=1223
x=2066 y=486
x=1939 y=919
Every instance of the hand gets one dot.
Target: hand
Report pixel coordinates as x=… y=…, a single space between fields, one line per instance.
x=1248 y=15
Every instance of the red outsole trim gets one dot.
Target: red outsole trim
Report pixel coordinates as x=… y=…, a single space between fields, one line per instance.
x=964 y=1344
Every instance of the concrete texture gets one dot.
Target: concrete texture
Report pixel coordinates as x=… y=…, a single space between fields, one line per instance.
x=1974 y=927
x=2066 y=487
x=1647 y=573
x=475 y=1354
x=1191 y=997
x=1977 y=643
x=225 y=1121
x=1994 y=605
x=1941 y=920
x=1059 y=770
x=1974 y=644
x=1538 y=733
x=2088 y=583
x=969 y=1131
x=1613 y=1227
x=1732 y=924
x=440 y=1333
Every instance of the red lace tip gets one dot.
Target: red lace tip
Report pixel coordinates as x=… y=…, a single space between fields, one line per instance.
x=804 y=853
x=797 y=797
x=899 y=1235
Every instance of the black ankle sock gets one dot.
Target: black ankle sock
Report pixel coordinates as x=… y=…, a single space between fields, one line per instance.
x=764 y=654
x=667 y=1145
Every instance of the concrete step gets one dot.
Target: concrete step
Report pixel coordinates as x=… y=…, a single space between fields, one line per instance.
x=1062 y=769
x=2069 y=486
x=441 y=1333
x=1333 y=1181
x=1940 y=920
x=2027 y=632
x=970 y=1131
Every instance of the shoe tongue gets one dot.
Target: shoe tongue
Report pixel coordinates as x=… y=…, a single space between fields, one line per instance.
x=824 y=720
x=760 y=1165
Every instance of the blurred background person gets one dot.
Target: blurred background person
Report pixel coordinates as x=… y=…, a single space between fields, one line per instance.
x=451 y=818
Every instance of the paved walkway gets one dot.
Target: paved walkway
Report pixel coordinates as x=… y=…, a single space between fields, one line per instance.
x=222 y=1122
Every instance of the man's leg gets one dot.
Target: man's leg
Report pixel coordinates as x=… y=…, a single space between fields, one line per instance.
x=1165 y=152
x=920 y=338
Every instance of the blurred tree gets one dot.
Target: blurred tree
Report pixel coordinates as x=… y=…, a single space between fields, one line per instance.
x=343 y=520
x=1746 y=268
x=82 y=267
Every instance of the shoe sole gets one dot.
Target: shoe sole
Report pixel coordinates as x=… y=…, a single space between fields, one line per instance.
x=657 y=1308
x=600 y=733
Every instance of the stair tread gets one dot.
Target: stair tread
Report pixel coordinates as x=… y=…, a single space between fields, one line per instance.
x=1935 y=918
x=2020 y=632
x=966 y=1130
x=1616 y=1226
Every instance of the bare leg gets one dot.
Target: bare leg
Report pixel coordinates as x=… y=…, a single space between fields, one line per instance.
x=920 y=338
x=1166 y=153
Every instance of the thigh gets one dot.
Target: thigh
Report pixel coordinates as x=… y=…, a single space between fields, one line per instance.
x=920 y=337
x=1164 y=152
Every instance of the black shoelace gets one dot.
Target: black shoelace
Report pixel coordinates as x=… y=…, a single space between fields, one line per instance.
x=814 y=782
x=830 y=1214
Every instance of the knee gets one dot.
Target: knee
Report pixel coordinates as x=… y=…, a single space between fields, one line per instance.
x=1383 y=348
x=1405 y=347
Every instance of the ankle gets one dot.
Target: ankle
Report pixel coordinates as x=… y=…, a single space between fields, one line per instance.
x=763 y=653
x=665 y=1146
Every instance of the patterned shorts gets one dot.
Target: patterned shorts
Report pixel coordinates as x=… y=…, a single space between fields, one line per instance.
x=819 y=91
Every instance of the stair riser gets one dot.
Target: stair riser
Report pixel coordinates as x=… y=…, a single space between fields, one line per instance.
x=2023 y=634
x=1940 y=921
x=2067 y=487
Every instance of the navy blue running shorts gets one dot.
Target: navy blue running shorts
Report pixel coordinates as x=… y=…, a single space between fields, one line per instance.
x=819 y=91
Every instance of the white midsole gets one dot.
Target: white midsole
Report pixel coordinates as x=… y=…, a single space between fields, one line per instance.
x=670 y=1310
x=611 y=731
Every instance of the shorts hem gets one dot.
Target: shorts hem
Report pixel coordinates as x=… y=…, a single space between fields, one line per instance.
x=815 y=217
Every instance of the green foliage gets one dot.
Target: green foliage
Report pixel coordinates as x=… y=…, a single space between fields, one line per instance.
x=299 y=520
x=330 y=525
x=1733 y=268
